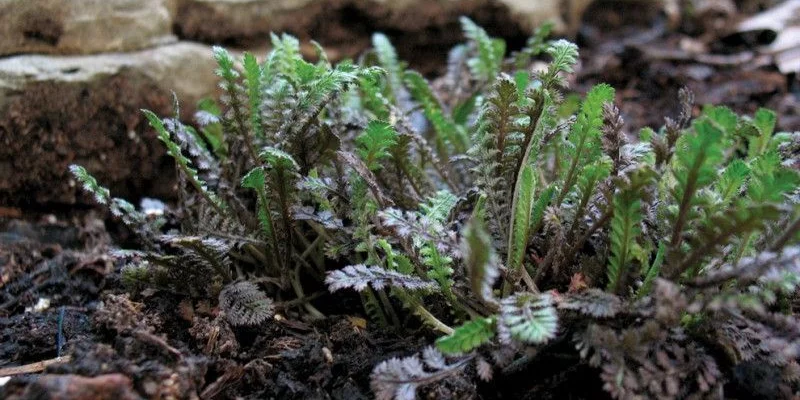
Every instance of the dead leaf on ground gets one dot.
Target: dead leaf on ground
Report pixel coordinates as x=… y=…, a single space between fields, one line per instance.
x=775 y=32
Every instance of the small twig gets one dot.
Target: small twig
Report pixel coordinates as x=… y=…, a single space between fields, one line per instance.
x=148 y=337
x=301 y=301
x=38 y=366
x=298 y=291
x=231 y=375
x=786 y=236
x=60 y=334
x=526 y=277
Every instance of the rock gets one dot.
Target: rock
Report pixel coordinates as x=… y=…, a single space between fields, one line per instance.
x=566 y=15
x=226 y=20
x=422 y=31
x=221 y=20
x=83 y=26
x=66 y=387
x=55 y=111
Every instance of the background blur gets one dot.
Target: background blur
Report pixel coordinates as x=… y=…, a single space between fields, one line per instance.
x=74 y=74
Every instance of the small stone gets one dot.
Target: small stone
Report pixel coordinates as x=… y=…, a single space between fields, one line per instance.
x=56 y=111
x=83 y=26
x=111 y=386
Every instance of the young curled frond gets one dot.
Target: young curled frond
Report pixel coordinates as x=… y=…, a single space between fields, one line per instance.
x=528 y=318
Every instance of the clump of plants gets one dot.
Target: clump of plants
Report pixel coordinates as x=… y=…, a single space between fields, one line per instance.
x=484 y=208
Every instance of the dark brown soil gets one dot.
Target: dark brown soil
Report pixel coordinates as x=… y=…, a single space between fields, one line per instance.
x=158 y=345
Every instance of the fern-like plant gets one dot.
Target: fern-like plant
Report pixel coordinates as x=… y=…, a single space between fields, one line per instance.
x=485 y=213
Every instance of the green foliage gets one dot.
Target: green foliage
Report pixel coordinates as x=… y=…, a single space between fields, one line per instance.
x=695 y=167
x=482 y=209
x=485 y=65
x=652 y=272
x=101 y=194
x=527 y=317
x=626 y=228
x=467 y=337
x=731 y=181
x=565 y=56
x=120 y=208
x=254 y=89
x=521 y=225
x=764 y=121
x=480 y=260
x=535 y=45
x=387 y=58
x=375 y=142
x=584 y=137
x=449 y=136
x=183 y=163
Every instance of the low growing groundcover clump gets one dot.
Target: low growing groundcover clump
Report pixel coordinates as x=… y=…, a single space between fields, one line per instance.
x=489 y=213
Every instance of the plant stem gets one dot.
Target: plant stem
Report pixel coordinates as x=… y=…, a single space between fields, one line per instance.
x=298 y=291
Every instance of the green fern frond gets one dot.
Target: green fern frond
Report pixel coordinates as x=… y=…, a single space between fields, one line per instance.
x=438 y=207
x=387 y=57
x=585 y=145
x=588 y=182
x=439 y=267
x=278 y=158
x=375 y=143
x=769 y=180
x=694 y=167
x=226 y=65
x=565 y=56
x=467 y=337
x=626 y=228
x=540 y=205
x=373 y=308
x=282 y=173
x=236 y=118
x=719 y=229
x=723 y=118
x=497 y=148
x=211 y=253
x=373 y=99
x=118 y=207
x=731 y=181
x=521 y=222
x=764 y=121
x=208 y=117
x=256 y=179
x=281 y=59
x=101 y=194
x=253 y=74
x=480 y=260
x=184 y=165
x=486 y=65
x=448 y=134
x=535 y=45
x=652 y=272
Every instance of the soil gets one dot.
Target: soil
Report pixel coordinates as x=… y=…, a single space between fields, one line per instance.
x=159 y=345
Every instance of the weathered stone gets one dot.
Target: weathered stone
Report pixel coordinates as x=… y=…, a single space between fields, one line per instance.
x=422 y=31
x=226 y=20
x=83 y=26
x=55 y=111
x=110 y=386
